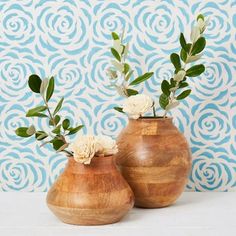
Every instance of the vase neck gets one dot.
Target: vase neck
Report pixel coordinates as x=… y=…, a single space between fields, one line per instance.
x=151 y=126
x=98 y=164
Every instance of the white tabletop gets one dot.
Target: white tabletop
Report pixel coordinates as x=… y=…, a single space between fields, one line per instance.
x=26 y=214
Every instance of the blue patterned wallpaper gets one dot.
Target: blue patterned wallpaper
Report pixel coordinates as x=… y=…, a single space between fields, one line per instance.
x=71 y=39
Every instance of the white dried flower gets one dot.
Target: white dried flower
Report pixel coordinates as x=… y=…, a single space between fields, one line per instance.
x=180 y=75
x=137 y=105
x=106 y=145
x=84 y=148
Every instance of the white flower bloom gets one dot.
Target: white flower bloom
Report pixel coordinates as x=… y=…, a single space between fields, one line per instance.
x=180 y=75
x=88 y=146
x=195 y=34
x=84 y=148
x=106 y=145
x=137 y=105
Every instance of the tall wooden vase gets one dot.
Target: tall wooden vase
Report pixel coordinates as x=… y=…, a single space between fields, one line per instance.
x=155 y=159
x=94 y=194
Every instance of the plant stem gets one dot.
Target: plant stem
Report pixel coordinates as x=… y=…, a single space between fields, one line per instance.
x=49 y=112
x=62 y=137
x=177 y=84
x=154 y=111
x=164 y=116
x=68 y=152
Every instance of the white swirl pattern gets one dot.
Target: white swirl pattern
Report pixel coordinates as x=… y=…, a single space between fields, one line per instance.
x=71 y=39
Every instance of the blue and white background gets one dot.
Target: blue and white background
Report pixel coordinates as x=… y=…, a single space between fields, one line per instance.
x=70 y=39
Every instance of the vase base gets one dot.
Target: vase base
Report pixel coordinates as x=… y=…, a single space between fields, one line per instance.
x=88 y=217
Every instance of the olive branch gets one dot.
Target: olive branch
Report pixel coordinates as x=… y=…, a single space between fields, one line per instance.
x=120 y=68
x=60 y=129
x=190 y=52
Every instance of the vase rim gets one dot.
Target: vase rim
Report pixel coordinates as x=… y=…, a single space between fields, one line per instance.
x=161 y=118
x=95 y=159
x=102 y=156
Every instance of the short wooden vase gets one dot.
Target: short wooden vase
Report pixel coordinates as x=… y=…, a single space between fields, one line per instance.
x=155 y=159
x=94 y=194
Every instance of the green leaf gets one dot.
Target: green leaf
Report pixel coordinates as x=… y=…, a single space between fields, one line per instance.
x=172 y=105
x=22 y=132
x=184 y=94
x=75 y=130
x=183 y=84
x=201 y=16
x=58 y=107
x=44 y=86
x=123 y=50
x=57 y=143
x=126 y=50
x=174 y=57
x=183 y=55
x=119 y=109
x=34 y=83
x=115 y=54
x=50 y=122
x=183 y=42
x=129 y=75
x=50 y=89
x=40 y=135
x=199 y=46
x=172 y=83
x=165 y=86
x=35 y=111
x=163 y=100
x=119 y=66
x=37 y=115
x=63 y=147
x=41 y=115
x=131 y=92
x=57 y=119
x=141 y=78
x=195 y=70
x=115 y=36
x=57 y=130
x=31 y=130
x=126 y=68
x=65 y=124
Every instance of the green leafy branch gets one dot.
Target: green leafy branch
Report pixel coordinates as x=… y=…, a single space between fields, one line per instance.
x=190 y=52
x=120 y=68
x=59 y=128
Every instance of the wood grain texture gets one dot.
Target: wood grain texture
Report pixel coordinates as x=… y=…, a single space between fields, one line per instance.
x=155 y=159
x=94 y=194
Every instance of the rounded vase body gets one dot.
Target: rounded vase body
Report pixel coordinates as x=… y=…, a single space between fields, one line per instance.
x=92 y=194
x=155 y=159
